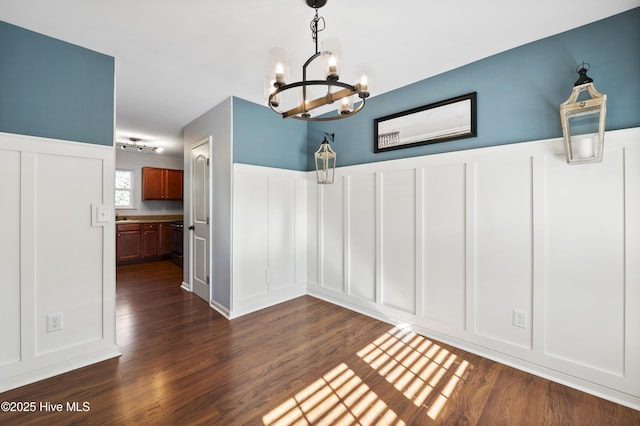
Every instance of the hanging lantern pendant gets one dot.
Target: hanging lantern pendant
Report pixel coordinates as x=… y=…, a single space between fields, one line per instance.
x=584 y=122
x=325 y=159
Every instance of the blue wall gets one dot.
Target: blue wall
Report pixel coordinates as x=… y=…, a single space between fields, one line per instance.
x=519 y=92
x=54 y=89
x=263 y=138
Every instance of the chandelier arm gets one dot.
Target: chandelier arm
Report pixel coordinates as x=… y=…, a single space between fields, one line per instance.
x=331 y=118
x=347 y=90
x=316 y=103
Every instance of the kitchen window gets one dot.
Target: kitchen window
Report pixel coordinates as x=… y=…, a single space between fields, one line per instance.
x=124 y=189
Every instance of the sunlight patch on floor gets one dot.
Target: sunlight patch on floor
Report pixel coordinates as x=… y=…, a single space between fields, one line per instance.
x=339 y=397
x=422 y=371
x=416 y=367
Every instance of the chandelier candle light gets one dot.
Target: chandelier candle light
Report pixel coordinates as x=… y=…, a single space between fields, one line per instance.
x=336 y=90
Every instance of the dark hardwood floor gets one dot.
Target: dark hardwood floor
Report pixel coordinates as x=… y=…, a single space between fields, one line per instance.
x=302 y=362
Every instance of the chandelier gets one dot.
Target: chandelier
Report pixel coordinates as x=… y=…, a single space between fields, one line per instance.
x=136 y=144
x=313 y=94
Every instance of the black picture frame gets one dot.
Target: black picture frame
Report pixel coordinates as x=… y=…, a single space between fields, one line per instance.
x=442 y=121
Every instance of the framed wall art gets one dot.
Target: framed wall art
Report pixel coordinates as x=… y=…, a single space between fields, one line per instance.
x=442 y=121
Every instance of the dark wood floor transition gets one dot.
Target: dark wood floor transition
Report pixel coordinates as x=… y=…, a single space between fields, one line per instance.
x=302 y=362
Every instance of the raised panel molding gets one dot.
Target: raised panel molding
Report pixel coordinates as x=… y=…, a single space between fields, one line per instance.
x=585 y=273
x=632 y=267
x=444 y=245
x=398 y=239
x=269 y=237
x=281 y=214
x=250 y=236
x=59 y=244
x=331 y=238
x=361 y=236
x=503 y=249
x=463 y=239
x=10 y=170
x=56 y=256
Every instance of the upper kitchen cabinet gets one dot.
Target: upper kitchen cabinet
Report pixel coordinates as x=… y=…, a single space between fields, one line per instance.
x=161 y=184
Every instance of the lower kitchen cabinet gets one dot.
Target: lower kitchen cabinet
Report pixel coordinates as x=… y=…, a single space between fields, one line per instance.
x=149 y=240
x=128 y=242
x=137 y=242
x=165 y=239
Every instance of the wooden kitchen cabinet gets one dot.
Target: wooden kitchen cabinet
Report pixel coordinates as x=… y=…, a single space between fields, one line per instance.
x=128 y=242
x=140 y=242
x=174 y=184
x=165 y=238
x=149 y=240
x=162 y=184
x=152 y=183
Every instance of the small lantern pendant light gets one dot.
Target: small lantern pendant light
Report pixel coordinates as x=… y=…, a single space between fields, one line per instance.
x=583 y=122
x=325 y=159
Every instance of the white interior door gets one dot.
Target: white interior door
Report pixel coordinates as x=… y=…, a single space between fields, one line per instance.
x=200 y=213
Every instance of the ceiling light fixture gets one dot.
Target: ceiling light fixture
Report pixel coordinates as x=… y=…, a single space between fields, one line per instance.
x=328 y=90
x=134 y=143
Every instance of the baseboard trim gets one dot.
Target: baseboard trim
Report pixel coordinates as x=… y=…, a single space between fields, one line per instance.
x=591 y=388
x=9 y=383
x=257 y=303
x=220 y=309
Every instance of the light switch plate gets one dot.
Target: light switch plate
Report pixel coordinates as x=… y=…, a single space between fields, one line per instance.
x=100 y=214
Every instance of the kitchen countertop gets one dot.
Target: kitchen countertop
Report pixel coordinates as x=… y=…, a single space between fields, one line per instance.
x=148 y=218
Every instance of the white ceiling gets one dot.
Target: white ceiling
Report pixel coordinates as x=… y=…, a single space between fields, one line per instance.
x=176 y=59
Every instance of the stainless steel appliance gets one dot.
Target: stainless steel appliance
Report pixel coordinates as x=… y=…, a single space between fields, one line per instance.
x=176 y=242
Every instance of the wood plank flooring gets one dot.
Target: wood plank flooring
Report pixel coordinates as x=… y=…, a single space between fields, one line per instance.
x=302 y=362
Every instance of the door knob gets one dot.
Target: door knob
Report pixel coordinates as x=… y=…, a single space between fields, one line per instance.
x=191 y=228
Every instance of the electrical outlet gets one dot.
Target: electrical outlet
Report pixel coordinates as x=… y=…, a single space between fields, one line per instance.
x=519 y=319
x=54 y=322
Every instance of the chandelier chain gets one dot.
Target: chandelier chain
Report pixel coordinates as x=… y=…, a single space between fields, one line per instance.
x=317 y=25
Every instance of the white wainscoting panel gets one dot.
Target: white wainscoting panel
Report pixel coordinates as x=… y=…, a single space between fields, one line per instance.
x=361 y=237
x=281 y=232
x=332 y=237
x=443 y=216
x=503 y=248
x=585 y=280
x=54 y=258
x=464 y=240
x=269 y=237
x=10 y=256
x=251 y=239
x=632 y=267
x=398 y=239
x=67 y=238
